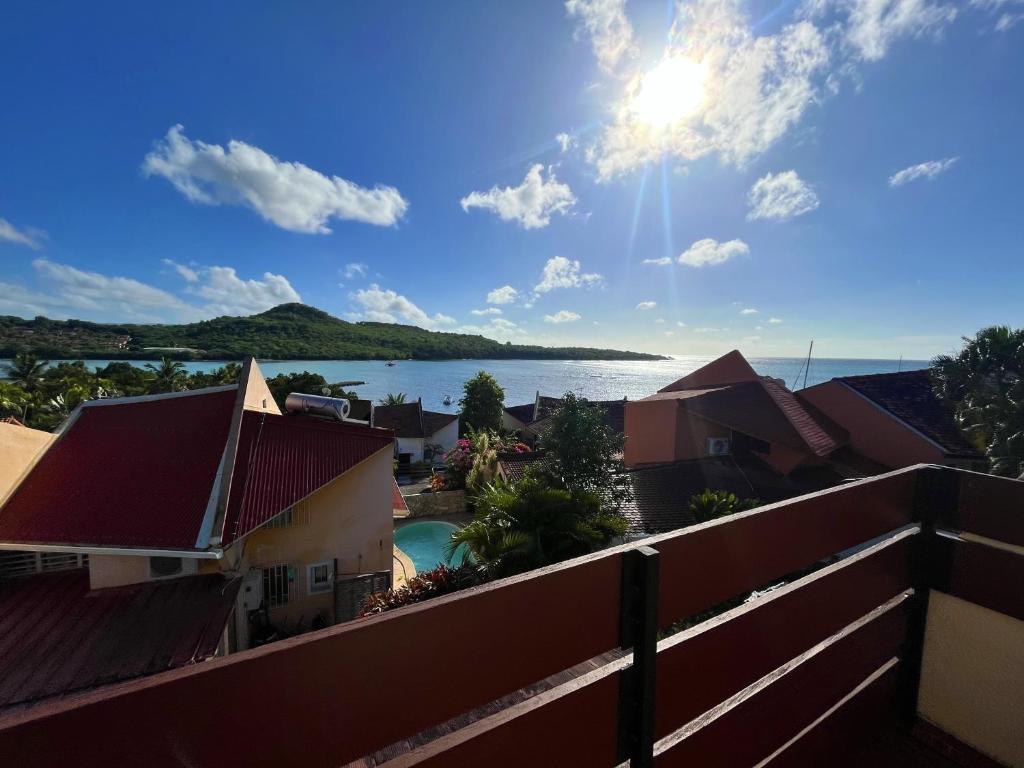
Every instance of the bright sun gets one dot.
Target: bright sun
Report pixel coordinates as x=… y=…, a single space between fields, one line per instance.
x=671 y=91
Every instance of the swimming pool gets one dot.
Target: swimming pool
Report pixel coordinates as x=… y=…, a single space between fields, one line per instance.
x=426 y=543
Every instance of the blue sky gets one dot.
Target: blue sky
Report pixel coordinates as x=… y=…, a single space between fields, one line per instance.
x=680 y=178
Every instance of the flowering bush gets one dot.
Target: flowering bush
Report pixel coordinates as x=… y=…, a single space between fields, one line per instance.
x=423 y=586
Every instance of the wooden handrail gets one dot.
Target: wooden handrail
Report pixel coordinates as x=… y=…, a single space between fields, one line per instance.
x=333 y=696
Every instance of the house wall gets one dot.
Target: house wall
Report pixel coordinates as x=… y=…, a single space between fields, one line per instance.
x=692 y=433
x=971 y=675
x=874 y=433
x=20 y=449
x=349 y=520
x=511 y=423
x=446 y=437
x=410 y=445
x=650 y=432
x=257 y=393
x=118 y=570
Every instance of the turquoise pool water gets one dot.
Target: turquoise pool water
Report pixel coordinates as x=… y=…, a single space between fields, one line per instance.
x=426 y=543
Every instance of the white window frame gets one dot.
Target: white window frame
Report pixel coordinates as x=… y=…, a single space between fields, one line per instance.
x=312 y=587
x=279 y=576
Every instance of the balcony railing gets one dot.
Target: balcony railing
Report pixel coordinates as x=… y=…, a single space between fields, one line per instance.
x=785 y=678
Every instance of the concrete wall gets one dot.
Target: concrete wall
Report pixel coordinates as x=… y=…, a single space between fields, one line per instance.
x=971 y=677
x=117 y=570
x=432 y=504
x=446 y=437
x=650 y=431
x=349 y=519
x=257 y=393
x=410 y=445
x=20 y=449
x=874 y=433
x=692 y=433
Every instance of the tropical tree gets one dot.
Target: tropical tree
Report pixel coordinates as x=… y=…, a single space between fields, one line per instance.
x=711 y=505
x=392 y=399
x=481 y=403
x=13 y=399
x=168 y=375
x=532 y=524
x=26 y=370
x=583 y=453
x=984 y=384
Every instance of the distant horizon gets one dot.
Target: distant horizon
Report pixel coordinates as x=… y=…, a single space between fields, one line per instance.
x=692 y=176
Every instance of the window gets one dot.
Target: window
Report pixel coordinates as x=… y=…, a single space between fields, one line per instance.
x=319 y=577
x=160 y=567
x=277 y=582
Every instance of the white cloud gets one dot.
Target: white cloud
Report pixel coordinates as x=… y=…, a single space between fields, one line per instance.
x=645 y=305
x=710 y=330
x=289 y=194
x=774 y=320
x=188 y=274
x=531 y=203
x=29 y=237
x=670 y=333
x=609 y=30
x=228 y=294
x=562 y=316
x=780 y=196
x=755 y=88
x=709 y=251
x=1007 y=17
x=498 y=328
x=664 y=261
x=488 y=311
x=560 y=272
x=566 y=141
x=680 y=323
x=748 y=311
x=355 y=269
x=872 y=26
x=504 y=295
x=660 y=321
x=386 y=306
x=928 y=170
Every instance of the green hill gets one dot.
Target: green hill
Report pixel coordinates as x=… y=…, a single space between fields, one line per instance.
x=286 y=332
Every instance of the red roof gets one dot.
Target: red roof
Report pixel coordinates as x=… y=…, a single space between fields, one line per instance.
x=57 y=637
x=397 y=499
x=130 y=474
x=283 y=459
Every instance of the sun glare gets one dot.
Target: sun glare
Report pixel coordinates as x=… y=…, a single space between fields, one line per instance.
x=670 y=92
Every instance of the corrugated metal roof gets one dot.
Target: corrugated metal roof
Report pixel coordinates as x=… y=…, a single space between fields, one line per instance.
x=283 y=459
x=57 y=637
x=128 y=474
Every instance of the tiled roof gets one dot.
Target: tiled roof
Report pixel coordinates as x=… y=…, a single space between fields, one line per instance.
x=614 y=415
x=523 y=413
x=405 y=419
x=57 y=637
x=434 y=421
x=283 y=459
x=130 y=474
x=397 y=499
x=661 y=494
x=763 y=409
x=910 y=398
x=515 y=465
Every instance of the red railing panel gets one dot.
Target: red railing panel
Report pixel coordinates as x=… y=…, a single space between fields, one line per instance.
x=992 y=507
x=988 y=576
x=709 y=663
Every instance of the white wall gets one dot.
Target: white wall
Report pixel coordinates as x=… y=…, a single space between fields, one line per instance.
x=413 y=445
x=445 y=437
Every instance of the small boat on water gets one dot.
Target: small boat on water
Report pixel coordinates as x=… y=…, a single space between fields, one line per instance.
x=389 y=363
x=447 y=400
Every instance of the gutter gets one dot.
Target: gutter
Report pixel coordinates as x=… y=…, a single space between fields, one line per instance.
x=86 y=549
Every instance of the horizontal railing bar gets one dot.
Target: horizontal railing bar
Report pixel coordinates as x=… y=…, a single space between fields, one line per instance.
x=573 y=724
x=990 y=506
x=989 y=576
x=777 y=707
x=709 y=663
x=860 y=717
x=707 y=564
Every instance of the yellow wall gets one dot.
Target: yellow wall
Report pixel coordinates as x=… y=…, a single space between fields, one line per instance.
x=257 y=393
x=116 y=570
x=971 y=676
x=20 y=448
x=349 y=520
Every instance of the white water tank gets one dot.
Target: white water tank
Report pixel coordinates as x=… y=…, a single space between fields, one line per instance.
x=331 y=407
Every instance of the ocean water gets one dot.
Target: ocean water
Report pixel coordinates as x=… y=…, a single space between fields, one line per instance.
x=594 y=379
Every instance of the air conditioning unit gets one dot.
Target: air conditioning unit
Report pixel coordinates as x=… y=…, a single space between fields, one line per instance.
x=252 y=589
x=719 y=446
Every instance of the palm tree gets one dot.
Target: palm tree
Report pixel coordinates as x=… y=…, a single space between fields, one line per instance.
x=167 y=376
x=26 y=370
x=711 y=505
x=984 y=384
x=392 y=399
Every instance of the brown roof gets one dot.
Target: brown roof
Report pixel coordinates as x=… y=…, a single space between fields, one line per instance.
x=57 y=637
x=410 y=420
x=614 y=413
x=514 y=466
x=523 y=413
x=910 y=398
x=763 y=409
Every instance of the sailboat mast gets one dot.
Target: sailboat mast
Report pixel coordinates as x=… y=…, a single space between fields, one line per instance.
x=807 y=367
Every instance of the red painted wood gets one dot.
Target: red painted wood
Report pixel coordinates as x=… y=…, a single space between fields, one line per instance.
x=992 y=507
x=711 y=662
x=707 y=564
x=339 y=694
x=752 y=728
x=575 y=724
x=982 y=574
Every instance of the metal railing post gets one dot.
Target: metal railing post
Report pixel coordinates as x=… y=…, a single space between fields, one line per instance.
x=638 y=630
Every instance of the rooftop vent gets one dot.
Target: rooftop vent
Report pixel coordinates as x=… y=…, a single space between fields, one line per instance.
x=330 y=407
